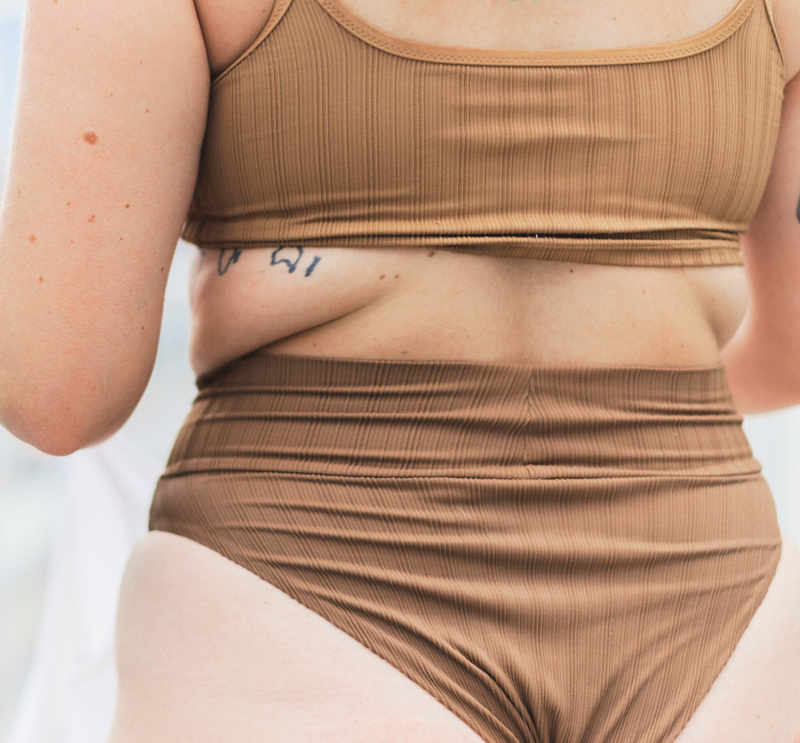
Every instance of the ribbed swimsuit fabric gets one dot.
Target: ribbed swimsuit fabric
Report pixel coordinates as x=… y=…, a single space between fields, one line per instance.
x=330 y=132
x=558 y=555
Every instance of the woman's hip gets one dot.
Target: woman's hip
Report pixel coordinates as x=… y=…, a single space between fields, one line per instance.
x=461 y=519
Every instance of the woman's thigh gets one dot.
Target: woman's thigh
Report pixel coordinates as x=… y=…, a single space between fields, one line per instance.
x=207 y=651
x=756 y=698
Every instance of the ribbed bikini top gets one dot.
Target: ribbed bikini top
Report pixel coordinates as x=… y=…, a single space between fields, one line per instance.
x=330 y=132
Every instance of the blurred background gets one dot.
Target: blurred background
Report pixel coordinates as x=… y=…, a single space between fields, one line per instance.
x=49 y=558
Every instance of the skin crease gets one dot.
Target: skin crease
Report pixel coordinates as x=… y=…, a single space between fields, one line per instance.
x=206 y=651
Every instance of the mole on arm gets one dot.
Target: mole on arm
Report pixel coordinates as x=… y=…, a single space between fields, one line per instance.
x=90 y=137
x=32 y=238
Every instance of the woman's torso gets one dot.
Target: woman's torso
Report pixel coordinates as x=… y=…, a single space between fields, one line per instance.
x=243 y=658
x=417 y=303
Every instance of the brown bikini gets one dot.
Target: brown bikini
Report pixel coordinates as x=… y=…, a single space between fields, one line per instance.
x=556 y=554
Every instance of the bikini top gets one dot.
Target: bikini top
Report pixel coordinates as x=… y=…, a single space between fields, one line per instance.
x=330 y=132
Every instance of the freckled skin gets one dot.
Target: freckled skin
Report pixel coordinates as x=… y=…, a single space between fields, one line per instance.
x=90 y=137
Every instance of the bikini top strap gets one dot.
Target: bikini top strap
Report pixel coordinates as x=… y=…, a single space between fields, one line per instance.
x=768 y=8
x=278 y=11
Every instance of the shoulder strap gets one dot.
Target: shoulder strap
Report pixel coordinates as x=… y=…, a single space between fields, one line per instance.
x=768 y=8
x=278 y=10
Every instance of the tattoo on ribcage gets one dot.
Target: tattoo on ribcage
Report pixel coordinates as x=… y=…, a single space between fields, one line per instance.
x=289 y=255
x=223 y=265
x=292 y=257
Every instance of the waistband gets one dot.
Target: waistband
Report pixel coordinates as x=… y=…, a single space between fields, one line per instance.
x=427 y=418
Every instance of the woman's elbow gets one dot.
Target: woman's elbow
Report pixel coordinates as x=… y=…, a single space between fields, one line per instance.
x=761 y=382
x=61 y=419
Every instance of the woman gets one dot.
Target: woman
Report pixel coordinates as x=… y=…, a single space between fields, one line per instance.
x=464 y=464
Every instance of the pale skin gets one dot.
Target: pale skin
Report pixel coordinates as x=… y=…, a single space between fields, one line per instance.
x=104 y=158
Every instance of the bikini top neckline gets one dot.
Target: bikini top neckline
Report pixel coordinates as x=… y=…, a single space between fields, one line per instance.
x=442 y=54
x=535 y=57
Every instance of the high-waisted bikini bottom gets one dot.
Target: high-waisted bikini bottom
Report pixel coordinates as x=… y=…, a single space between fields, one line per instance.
x=558 y=555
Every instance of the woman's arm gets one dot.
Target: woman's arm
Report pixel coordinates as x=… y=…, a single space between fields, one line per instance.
x=763 y=357
x=105 y=148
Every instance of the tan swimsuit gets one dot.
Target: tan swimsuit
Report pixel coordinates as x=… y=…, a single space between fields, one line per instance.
x=558 y=555
x=330 y=132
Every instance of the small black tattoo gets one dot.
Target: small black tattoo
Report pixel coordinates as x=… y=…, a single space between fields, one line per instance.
x=316 y=260
x=292 y=260
x=291 y=263
x=233 y=258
